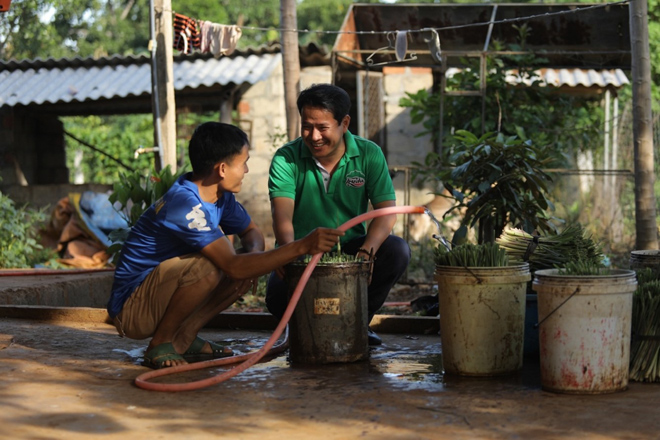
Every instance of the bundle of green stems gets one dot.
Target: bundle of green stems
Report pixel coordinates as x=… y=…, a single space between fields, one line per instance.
x=470 y=255
x=645 y=345
x=550 y=251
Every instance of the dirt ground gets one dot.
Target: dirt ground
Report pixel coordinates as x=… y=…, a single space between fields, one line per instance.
x=75 y=381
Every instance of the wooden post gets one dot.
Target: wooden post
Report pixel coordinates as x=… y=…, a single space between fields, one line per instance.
x=226 y=107
x=645 y=222
x=290 y=65
x=163 y=97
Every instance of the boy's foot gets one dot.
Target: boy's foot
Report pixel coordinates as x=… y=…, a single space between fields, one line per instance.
x=163 y=356
x=201 y=350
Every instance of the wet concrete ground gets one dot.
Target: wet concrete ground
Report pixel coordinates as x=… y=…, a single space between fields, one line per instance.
x=73 y=380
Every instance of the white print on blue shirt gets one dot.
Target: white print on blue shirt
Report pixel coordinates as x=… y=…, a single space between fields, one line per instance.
x=198 y=219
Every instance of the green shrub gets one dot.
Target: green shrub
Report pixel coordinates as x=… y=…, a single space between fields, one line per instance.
x=19 y=231
x=135 y=193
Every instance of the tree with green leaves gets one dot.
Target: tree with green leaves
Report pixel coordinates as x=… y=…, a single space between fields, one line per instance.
x=497 y=180
x=323 y=15
x=66 y=28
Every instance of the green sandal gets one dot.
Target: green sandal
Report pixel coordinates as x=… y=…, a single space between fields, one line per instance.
x=157 y=356
x=194 y=352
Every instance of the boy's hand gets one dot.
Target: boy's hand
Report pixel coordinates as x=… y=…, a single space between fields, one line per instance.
x=322 y=240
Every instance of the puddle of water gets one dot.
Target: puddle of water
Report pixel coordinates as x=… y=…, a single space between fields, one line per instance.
x=401 y=363
x=409 y=368
x=395 y=366
x=136 y=353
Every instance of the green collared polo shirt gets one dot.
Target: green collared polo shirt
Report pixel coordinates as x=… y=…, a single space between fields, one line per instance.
x=361 y=177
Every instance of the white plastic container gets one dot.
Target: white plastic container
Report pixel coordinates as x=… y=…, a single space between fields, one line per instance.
x=584 y=330
x=482 y=318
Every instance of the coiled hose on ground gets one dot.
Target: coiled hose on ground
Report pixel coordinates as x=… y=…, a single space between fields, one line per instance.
x=252 y=358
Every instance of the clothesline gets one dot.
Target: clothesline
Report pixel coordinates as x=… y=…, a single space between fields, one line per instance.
x=190 y=34
x=444 y=28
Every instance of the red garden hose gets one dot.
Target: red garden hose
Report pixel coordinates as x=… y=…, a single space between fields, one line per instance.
x=252 y=358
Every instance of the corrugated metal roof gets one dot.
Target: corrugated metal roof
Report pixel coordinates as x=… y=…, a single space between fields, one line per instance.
x=569 y=77
x=78 y=80
x=587 y=78
x=577 y=77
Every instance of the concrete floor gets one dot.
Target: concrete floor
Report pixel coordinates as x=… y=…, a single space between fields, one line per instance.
x=74 y=380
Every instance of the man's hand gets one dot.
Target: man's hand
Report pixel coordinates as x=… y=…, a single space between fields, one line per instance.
x=366 y=255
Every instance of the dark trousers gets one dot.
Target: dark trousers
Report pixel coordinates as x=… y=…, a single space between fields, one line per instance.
x=391 y=262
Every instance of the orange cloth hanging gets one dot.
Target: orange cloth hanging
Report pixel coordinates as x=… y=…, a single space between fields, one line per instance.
x=186 y=36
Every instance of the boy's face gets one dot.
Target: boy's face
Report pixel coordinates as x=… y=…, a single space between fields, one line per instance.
x=322 y=134
x=233 y=171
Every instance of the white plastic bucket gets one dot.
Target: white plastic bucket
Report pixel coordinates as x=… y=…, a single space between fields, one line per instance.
x=584 y=330
x=482 y=318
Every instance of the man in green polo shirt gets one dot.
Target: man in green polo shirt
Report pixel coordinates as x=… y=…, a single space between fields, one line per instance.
x=326 y=177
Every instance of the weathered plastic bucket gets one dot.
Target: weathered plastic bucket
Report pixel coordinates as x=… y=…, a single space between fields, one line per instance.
x=329 y=323
x=646 y=259
x=584 y=330
x=482 y=318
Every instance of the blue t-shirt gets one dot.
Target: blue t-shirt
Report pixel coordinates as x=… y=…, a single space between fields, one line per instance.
x=179 y=223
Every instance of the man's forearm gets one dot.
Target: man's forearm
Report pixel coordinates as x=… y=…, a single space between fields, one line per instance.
x=378 y=231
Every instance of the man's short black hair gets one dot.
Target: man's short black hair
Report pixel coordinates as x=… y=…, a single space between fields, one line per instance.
x=214 y=142
x=326 y=96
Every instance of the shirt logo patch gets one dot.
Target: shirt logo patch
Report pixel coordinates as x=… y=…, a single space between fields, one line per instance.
x=355 y=179
x=197 y=219
x=159 y=205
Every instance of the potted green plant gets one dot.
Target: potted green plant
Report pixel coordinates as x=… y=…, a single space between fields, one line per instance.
x=495 y=180
x=481 y=298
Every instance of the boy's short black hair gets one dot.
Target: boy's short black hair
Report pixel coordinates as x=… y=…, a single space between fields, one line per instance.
x=214 y=142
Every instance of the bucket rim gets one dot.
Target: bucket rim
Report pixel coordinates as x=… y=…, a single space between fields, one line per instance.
x=510 y=274
x=328 y=264
x=486 y=268
x=614 y=273
x=647 y=252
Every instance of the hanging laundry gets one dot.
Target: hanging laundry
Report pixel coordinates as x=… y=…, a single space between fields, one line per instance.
x=219 y=39
x=186 y=36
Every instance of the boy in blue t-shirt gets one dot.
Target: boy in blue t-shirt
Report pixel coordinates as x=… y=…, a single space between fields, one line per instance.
x=178 y=270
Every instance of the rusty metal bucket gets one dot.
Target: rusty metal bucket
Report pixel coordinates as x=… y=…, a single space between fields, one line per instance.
x=646 y=259
x=329 y=323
